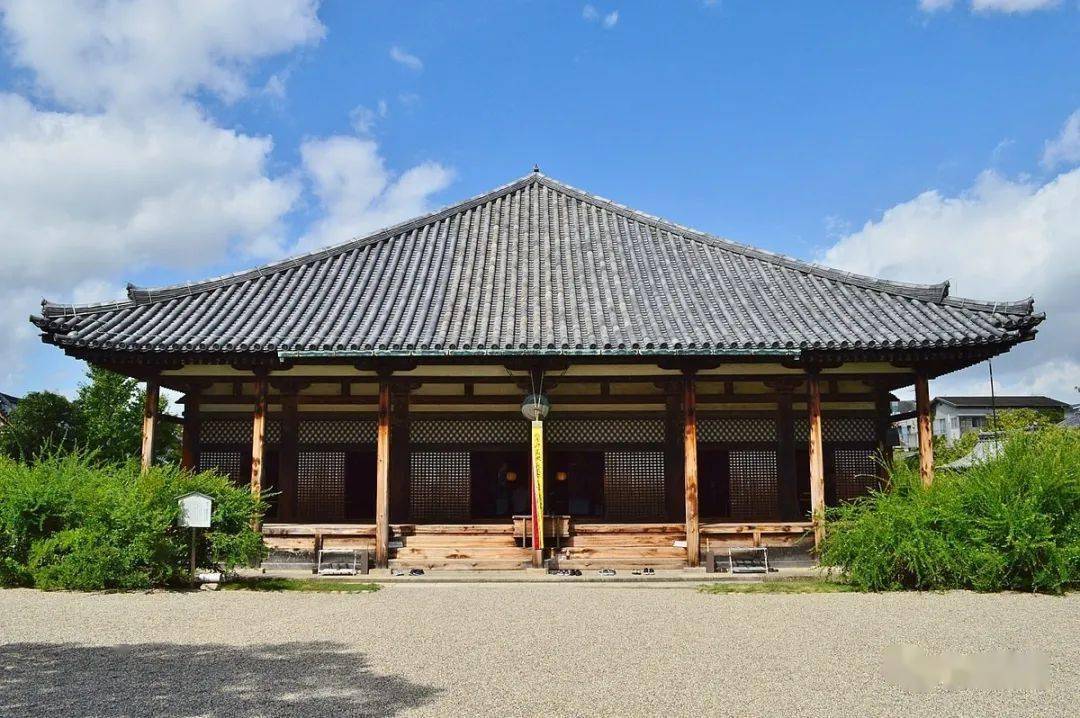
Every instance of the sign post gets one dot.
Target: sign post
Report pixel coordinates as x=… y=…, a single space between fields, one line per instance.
x=195 y=510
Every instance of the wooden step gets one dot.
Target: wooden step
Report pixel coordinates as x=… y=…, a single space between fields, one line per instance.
x=622 y=564
x=451 y=564
x=624 y=540
x=297 y=530
x=607 y=528
x=506 y=529
x=456 y=540
x=623 y=552
x=464 y=552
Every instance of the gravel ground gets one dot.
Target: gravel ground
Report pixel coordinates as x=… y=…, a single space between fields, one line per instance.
x=520 y=649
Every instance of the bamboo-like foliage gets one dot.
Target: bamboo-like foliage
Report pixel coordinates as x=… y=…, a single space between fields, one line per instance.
x=1009 y=524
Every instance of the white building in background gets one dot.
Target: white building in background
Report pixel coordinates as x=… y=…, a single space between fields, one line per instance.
x=955 y=416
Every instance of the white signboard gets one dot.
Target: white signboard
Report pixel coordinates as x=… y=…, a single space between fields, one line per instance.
x=195 y=510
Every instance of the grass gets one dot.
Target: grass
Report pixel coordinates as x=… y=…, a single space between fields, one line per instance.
x=311 y=585
x=788 y=586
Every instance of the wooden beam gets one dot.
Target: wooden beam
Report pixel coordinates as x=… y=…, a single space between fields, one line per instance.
x=817 y=458
x=149 y=423
x=926 y=435
x=556 y=399
x=690 y=469
x=288 y=459
x=189 y=447
x=382 y=480
x=258 y=437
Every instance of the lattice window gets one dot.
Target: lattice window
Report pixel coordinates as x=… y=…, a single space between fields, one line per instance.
x=753 y=484
x=235 y=431
x=855 y=472
x=606 y=431
x=634 y=485
x=838 y=428
x=337 y=431
x=469 y=431
x=228 y=463
x=736 y=430
x=439 y=486
x=320 y=490
x=225 y=431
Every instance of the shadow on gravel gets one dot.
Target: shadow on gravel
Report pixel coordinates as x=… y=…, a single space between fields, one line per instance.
x=161 y=679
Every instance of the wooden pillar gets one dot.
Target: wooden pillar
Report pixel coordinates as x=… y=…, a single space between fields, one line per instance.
x=149 y=423
x=690 y=469
x=787 y=493
x=382 y=480
x=817 y=458
x=673 y=453
x=189 y=448
x=289 y=457
x=926 y=435
x=258 y=437
x=399 y=455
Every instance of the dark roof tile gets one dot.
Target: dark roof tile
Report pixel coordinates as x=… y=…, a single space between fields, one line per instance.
x=538 y=265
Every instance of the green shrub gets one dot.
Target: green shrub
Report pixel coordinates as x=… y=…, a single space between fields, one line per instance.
x=1009 y=524
x=69 y=523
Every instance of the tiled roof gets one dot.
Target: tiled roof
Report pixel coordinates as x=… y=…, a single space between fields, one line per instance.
x=538 y=266
x=7 y=403
x=1003 y=402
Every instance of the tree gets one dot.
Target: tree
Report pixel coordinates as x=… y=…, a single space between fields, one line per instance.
x=1013 y=420
x=110 y=415
x=110 y=408
x=105 y=420
x=41 y=422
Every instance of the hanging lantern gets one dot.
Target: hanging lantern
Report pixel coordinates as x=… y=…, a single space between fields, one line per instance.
x=511 y=477
x=560 y=476
x=535 y=407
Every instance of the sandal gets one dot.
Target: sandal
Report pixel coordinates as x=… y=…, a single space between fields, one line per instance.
x=606 y=572
x=648 y=571
x=416 y=572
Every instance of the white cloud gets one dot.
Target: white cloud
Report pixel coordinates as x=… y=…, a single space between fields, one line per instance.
x=1002 y=239
x=358 y=194
x=363 y=118
x=1065 y=148
x=409 y=60
x=125 y=170
x=87 y=194
x=989 y=6
x=94 y=55
x=1012 y=6
x=589 y=13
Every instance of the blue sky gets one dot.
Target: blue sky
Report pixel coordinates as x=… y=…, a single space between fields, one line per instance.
x=917 y=141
